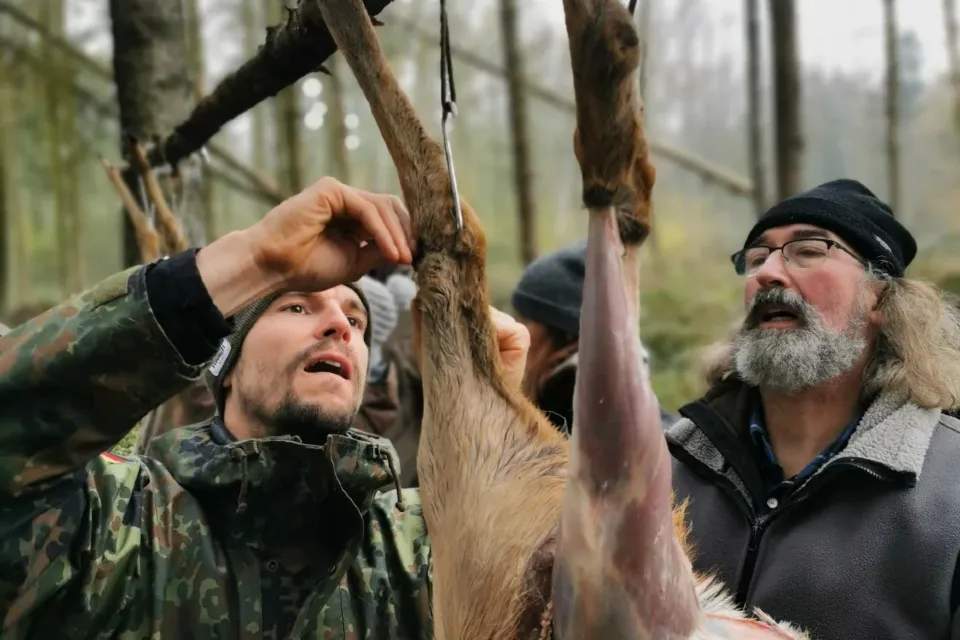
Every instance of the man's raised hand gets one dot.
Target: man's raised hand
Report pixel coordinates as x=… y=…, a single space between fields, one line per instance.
x=326 y=235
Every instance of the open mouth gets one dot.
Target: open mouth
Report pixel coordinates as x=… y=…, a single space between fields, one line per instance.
x=328 y=363
x=776 y=313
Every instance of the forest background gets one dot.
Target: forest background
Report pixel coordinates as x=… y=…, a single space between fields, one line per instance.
x=870 y=89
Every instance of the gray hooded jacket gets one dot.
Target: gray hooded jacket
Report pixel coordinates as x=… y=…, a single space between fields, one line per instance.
x=867 y=548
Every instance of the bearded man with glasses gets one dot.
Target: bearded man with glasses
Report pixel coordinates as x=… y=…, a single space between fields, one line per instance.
x=820 y=472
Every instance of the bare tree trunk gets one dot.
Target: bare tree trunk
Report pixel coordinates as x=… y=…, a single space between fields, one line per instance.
x=893 y=100
x=194 y=45
x=154 y=91
x=286 y=105
x=21 y=225
x=754 y=106
x=643 y=28
x=204 y=230
x=6 y=290
x=336 y=125
x=522 y=173
x=253 y=36
x=287 y=113
x=786 y=81
x=953 y=55
x=60 y=121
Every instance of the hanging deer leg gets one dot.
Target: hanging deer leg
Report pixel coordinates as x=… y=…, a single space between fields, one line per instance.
x=621 y=570
x=491 y=467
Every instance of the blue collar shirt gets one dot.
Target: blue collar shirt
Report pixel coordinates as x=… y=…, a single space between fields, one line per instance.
x=777 y=486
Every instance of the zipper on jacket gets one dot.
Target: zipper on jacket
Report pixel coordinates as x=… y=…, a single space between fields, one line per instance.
x=757 y=527
x=760 y=524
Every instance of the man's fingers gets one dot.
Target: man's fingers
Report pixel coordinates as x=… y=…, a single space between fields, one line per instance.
x=403 y=214
x=511 y=335
x=403 y=219
x=397 y=217
x=391 y=209
x=513 y=342
x=366 y=212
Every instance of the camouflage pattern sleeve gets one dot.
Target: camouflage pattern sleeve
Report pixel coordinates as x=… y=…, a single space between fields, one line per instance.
x=74 y=380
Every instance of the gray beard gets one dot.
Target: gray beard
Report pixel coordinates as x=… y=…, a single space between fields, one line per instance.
x=791 y=360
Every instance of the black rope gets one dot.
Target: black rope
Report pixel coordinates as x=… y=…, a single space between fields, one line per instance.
x=448 y=101
x=448 y=91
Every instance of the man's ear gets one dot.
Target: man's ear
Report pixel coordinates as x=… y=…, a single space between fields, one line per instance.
x=880 y=289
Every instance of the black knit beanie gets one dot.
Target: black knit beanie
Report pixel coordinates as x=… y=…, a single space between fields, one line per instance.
x=551 y=289
x=854 y=213
x=229 y=352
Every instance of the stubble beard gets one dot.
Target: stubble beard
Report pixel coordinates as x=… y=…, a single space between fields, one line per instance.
x=292 y=416
x=795 y=359
x=310 y=422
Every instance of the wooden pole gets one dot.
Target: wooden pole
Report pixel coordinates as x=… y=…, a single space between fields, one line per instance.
x=786 y=80
x=892 y=103
x=755 y=106
x=522 y=170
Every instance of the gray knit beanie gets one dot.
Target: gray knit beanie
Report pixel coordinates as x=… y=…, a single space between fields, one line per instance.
x=383 y=320
x=229 y=352
x=550 y=290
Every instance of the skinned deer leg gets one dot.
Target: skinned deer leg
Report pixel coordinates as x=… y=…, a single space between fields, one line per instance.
x=621 y=570
x=491 y=467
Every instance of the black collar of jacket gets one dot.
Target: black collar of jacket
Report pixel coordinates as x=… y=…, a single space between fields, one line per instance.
x=723 y=415
x=278 y=491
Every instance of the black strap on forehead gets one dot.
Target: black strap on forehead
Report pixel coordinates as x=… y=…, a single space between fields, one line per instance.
x=448 y=101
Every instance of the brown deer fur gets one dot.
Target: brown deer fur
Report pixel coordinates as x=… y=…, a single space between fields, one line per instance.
x=492 y=469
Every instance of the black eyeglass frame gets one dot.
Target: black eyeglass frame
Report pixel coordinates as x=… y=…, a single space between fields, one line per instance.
x=739 y=258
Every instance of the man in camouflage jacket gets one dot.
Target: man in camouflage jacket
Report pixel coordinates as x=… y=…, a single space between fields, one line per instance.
x=265 y=523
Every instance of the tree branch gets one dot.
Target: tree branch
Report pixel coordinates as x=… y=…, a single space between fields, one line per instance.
x=147 y=239
x=232 y=96
x=292 y=50
x=260 y=187
x=171 y=230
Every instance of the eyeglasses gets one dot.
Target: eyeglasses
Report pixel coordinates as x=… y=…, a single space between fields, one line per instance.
x=803 y=253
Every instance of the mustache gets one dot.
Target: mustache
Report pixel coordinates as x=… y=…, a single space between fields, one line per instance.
x=328 y=346
x=789 y=300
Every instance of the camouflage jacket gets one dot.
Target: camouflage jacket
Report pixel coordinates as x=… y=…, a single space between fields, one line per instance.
x=201 y=538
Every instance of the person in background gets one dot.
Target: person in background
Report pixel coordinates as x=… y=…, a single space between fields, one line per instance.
x=382 y=411
x=547 y=301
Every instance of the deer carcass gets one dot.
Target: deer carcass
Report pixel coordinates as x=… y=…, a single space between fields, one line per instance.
x=493 y=471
